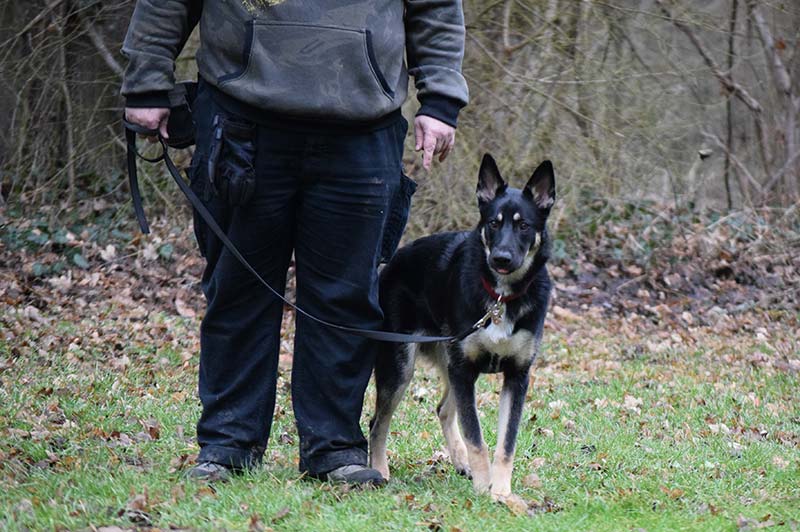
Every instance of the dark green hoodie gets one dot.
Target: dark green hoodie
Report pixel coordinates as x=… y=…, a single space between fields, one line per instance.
x=339 y=60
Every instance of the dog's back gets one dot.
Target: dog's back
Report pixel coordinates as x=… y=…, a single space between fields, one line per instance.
x=417 y=285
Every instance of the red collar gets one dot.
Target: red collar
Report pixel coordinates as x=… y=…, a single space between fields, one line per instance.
x=497 y=297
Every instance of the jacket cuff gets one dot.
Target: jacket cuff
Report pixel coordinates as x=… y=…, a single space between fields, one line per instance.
x=441 y=108
x=148 y=99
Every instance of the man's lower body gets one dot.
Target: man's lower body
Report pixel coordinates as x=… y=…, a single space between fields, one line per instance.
x=325 y=197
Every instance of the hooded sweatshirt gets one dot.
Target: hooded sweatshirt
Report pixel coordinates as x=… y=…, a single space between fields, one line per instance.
x=331 y=60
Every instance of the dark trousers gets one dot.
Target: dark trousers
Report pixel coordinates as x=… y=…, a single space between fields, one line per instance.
x=326 y=196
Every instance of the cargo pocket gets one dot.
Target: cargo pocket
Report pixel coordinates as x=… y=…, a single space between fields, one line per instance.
x=397 y=217
x=231 y=160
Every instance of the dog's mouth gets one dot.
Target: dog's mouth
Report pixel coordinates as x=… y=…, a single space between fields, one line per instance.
x=503 y=268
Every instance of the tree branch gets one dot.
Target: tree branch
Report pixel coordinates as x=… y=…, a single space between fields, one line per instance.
x=724 y=78
x=102 y=49
x=782 y=78
x=742 y=168
x=730 y=85
x=779 y=174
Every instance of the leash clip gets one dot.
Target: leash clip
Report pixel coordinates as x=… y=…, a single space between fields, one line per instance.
x=497 y=311
x=483 y=321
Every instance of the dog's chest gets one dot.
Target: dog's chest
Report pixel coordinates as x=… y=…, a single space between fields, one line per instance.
x=501 y=342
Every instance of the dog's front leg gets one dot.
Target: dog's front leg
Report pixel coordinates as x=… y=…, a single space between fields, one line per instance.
x=462 y=381
x=512 y=399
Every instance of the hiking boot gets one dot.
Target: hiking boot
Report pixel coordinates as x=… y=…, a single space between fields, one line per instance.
x=355 y=475
x=210 y=471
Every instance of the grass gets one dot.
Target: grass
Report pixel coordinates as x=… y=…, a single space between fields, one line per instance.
x=695 y=435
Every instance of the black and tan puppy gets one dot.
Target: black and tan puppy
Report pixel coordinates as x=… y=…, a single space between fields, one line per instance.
x=444 y=284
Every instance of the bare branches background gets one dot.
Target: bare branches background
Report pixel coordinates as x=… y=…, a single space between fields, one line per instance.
x=693 y=105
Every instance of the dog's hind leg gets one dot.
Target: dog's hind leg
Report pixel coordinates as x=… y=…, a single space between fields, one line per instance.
x=448 y=418
x=512 y=399
x=394 y=368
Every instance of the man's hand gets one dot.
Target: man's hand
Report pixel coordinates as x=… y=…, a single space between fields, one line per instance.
x=151 y=118
x=433 y=137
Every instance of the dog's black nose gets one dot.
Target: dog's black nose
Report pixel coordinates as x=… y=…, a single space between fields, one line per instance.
x=501 y=261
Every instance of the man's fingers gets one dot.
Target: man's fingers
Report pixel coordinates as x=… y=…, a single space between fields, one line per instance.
x=154 y=125
x=450 y=147
x=445 y=152
x=430 y=148
x=441 y=143
x=434 y=137
x=162 y=127
x=150 y=118
x=147 y=122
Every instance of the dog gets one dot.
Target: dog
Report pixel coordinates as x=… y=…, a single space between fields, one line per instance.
x=493 y=278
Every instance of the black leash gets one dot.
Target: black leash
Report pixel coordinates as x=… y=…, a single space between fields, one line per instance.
x=131 y=130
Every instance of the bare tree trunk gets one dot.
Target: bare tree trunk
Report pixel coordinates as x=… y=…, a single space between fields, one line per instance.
x=541 y=115
x=583 y=116
x=68 y=115
x=729 y=103
x=790 y=101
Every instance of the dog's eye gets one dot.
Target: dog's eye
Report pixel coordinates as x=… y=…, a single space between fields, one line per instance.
x=494 y=224
x=523 y=226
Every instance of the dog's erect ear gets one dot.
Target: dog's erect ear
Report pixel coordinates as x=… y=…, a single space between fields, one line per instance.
x=490 y=184
x=541 y=186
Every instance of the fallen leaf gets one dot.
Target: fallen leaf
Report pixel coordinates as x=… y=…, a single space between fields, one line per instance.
x=283 y=512
x=780 y=462
x=674 y=493
x=184 y=309
x=153 y=428
x=109 y=253
x=632 y=404
x=255 y=524
x=718 y=428
x=137 y=509
x=206 y=491
x=138 y=502
x=532 y=481
x=516 y=504
x=564 y=314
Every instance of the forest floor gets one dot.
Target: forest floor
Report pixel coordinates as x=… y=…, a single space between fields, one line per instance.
x=667 y=396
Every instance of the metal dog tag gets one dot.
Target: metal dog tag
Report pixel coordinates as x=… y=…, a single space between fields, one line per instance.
x=497 y=311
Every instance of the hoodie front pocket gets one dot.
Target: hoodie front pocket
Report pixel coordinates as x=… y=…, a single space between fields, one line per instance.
x=311 y=70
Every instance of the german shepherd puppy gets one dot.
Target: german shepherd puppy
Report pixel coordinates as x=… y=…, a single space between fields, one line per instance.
x=445 y=284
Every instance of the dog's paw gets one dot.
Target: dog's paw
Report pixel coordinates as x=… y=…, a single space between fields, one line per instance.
x=515 y=503
x=500 y=495
x=380 y=464
x=461 y=462
x=464 y=471
x=383 y=469
x=481 y=486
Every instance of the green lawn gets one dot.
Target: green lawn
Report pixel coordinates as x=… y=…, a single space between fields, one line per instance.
x=626 y=427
